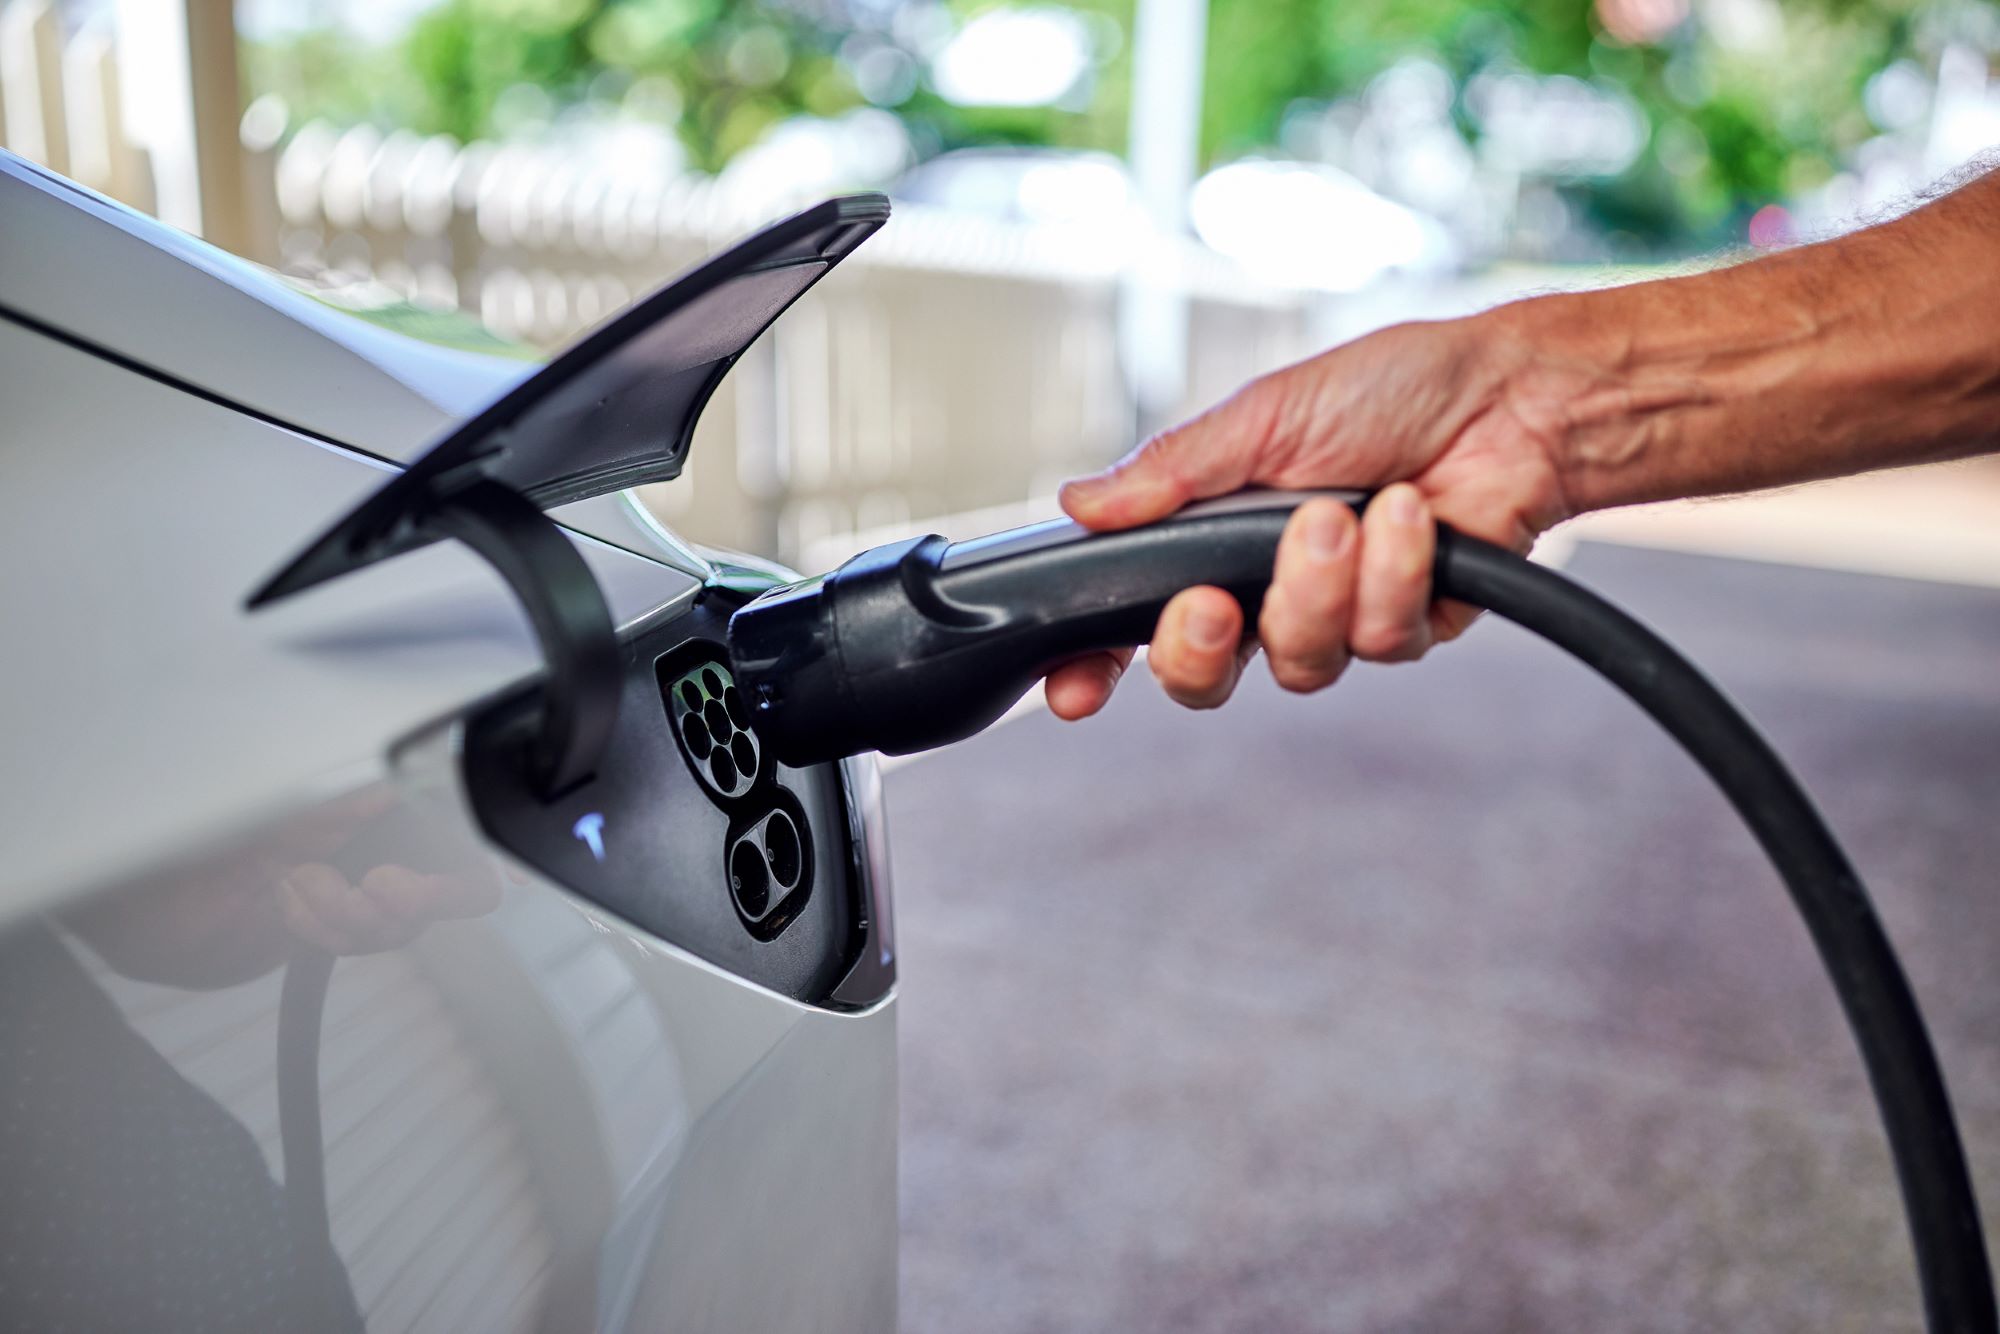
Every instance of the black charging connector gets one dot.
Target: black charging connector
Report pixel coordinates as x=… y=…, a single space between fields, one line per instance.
x=922 y=643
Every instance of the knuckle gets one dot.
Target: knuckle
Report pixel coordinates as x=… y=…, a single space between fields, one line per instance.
x=1155 y=450
x=1196 y=683
x=1201 y=700
x=1291 y=627
x=1161 y=456
x=1174 y=673
x=1304 y=675
x=1279 y=628
x=1306 y=590
x=1283 y=642
x=1408 y=646
x=1380 y=641
x=1257 y=404
x=1305 y=654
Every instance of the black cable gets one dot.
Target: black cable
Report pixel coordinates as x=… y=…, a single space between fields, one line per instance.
x=1902 y=1066
x=921 y=643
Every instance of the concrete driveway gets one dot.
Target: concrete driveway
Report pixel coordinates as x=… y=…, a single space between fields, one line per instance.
x=1452 y=999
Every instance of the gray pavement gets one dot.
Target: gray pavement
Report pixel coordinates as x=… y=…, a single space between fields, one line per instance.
x=1452 y=999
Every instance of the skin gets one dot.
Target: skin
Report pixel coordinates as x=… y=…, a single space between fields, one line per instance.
x=236 y=917
x=1877 y=349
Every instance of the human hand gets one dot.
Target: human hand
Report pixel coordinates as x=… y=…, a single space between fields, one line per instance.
x=385 y=909
x=234 y=915
x=1460 y=421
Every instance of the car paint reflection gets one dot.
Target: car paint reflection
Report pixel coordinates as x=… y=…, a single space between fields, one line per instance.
x=533 y=1115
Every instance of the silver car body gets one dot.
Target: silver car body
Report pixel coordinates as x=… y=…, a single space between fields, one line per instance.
x=536 y=1113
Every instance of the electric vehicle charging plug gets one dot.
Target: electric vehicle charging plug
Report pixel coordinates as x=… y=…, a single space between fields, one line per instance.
x=921 y=643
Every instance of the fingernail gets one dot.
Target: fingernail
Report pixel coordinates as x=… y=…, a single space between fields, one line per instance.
x=1207 y=627
x=1326 y=535
x=1404 y=507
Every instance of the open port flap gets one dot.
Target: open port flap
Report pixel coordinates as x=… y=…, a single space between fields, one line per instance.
x=615 y=409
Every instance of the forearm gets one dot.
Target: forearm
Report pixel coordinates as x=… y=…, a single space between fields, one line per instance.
x=1876 y=349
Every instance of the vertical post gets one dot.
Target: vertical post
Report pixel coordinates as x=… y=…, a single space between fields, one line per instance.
x=466 y=247
x=183 y=104
x=90 y=106
x=1164 y=144
x=99 y=154
x=31 y=82
x=261 y=134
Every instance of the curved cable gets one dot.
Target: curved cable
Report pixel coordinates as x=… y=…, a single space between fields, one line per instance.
x=1938 y=1199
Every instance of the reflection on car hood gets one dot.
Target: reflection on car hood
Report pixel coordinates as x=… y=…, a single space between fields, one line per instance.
x=161 y=298
x=133 y=286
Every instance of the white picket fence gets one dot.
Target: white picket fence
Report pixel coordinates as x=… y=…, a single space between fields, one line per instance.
x=953 y=364
x=61 y=105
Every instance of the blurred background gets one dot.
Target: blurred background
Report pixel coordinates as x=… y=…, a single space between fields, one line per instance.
x=1508 y=1027
x=1109 y=212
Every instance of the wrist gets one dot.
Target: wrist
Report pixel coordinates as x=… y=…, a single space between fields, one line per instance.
x=1726 y=381
x=1873 y=350
x=1580 y=380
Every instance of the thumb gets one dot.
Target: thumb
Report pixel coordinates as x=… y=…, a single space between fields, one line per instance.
x=1212 y=455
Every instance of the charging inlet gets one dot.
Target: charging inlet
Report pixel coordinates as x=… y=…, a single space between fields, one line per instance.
x=769 y=870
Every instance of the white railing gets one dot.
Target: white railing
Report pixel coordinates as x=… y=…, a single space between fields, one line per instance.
x=60 y=102
x=953 y=363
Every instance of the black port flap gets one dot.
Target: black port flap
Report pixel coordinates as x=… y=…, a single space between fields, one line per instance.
x=616 y=409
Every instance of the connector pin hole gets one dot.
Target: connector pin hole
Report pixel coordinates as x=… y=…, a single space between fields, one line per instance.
x=749 y=879
x=781 y=845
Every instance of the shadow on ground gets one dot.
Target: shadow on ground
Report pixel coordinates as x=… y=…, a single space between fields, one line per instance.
x=1450 y=1000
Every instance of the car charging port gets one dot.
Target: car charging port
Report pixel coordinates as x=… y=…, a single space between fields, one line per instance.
x=782 y=850
x=770 y=871
x=750 y=881
x=712 y=727
x=767 y=855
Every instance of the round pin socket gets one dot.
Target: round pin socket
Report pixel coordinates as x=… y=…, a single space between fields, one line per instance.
x=709 y=724
x=750 y=880
x=770 y=870
x=782 y=850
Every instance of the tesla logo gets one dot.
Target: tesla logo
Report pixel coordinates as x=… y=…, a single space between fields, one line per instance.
x=589 y=831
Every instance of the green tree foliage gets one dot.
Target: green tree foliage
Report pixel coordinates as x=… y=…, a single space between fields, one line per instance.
x=729 y=71
x=1732 y=125
x=722 y=73
x=723 y=70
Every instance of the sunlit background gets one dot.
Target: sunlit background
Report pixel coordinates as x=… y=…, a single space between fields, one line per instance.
x=1109 y=212
x=1449 y=999
x=1426 y=137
